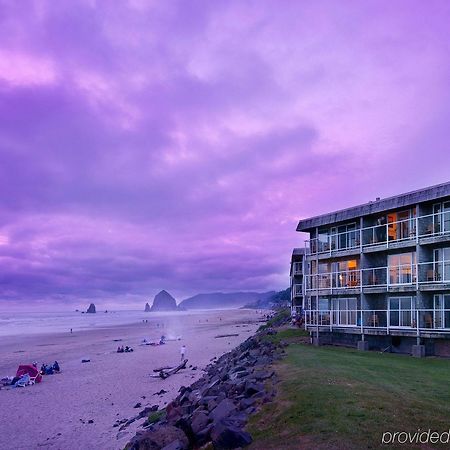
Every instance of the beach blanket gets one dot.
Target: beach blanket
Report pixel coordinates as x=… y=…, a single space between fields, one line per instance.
x=28 y=369
x=24 y=380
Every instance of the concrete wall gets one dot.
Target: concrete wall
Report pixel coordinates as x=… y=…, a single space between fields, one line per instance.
x=397 y=344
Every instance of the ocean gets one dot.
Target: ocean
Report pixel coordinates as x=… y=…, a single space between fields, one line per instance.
x=22 y=323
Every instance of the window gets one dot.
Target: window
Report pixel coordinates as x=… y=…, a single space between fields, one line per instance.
x=345 y=311
x=324 y=304
x=441 y=264
x=402 y=268
x=346 y=273
x=441 y=217
x=441 y=311
x=401 y=224
x=402 y=312
x=343 y=237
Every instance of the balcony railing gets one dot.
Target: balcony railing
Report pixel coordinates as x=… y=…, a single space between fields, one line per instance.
x=386 y=234
x=434 y=272
x=298 y=268
x=385 y=319
x=398 y=275
x=298 y=290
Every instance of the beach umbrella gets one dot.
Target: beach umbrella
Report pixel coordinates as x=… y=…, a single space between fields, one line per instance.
x=30 y=370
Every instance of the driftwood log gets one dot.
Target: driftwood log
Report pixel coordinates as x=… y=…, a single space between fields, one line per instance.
x=165 y=373
x=159 y=369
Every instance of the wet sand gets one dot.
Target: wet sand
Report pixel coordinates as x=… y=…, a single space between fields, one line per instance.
x=55 y=414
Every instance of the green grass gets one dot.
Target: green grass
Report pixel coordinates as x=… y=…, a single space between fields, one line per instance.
x=156 y=416
x=339 y=398
x=280 y=317
x=289 y=334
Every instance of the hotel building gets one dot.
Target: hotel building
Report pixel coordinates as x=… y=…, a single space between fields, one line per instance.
x=378 y=275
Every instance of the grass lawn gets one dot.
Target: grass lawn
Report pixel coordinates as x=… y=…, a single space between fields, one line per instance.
x=331 y=397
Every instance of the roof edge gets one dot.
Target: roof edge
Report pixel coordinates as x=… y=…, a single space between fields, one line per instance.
x=397 y=201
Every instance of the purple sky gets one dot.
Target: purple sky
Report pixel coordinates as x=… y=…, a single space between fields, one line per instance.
x=164 y=144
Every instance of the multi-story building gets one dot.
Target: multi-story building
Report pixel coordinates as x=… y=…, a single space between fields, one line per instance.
x=297 y=281
x=378 y=275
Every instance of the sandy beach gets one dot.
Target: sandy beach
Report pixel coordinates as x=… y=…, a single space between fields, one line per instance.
x=56 y=412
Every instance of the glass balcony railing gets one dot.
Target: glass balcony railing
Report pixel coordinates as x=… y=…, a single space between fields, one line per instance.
x=298 y=268
x=406 y=319
x=398 y=275
x=298 y=290
x=434 y=272
x=386 y=234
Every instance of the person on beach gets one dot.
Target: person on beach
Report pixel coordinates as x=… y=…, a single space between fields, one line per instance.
x=183 y=352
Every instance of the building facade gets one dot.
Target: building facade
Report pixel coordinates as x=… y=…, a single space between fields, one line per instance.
x=297 y=281
x=378 y=275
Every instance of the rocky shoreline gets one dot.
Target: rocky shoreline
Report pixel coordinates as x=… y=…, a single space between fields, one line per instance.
x=213 y=411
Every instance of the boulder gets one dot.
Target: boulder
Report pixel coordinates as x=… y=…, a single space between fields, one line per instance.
x=147 y=308
x=174 y=413
x=239 y=374
x=226 y=436
x=147 y=410
x=199 y=421
x=163 y=301
x=203 y=436
x=211 y=404
x=253 y=388
x=247 y=402
x=264 y=375
x=91 y=309
x=222 y=410
x=158 y=438
x=175 y=445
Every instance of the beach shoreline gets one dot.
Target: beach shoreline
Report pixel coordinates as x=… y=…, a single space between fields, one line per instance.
x=58 y=411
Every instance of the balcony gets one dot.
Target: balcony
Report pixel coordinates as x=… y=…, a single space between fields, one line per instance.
x=334 y=280
x=409 y=321
x=432 y=274
x=297 y=268
x=297 y=290
x=425 y=229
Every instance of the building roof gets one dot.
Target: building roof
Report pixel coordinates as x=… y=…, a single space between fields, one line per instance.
x=298 y=251
x=373 y=207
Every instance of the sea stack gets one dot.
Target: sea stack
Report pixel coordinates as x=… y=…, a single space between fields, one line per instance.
x=164 y=302
x=147 y=308
x=91 y=309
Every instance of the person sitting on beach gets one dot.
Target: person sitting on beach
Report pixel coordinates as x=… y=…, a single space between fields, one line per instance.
x=56 y=367
x=43 y=369
x=128 y=349
x=162 y=340
x=49 y=370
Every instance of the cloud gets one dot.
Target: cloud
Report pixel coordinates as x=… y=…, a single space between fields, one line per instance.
x=149 y=145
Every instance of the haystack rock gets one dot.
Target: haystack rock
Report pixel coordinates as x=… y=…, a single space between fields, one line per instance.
x=91 y=309
x=164 y=302
x=147 y=308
